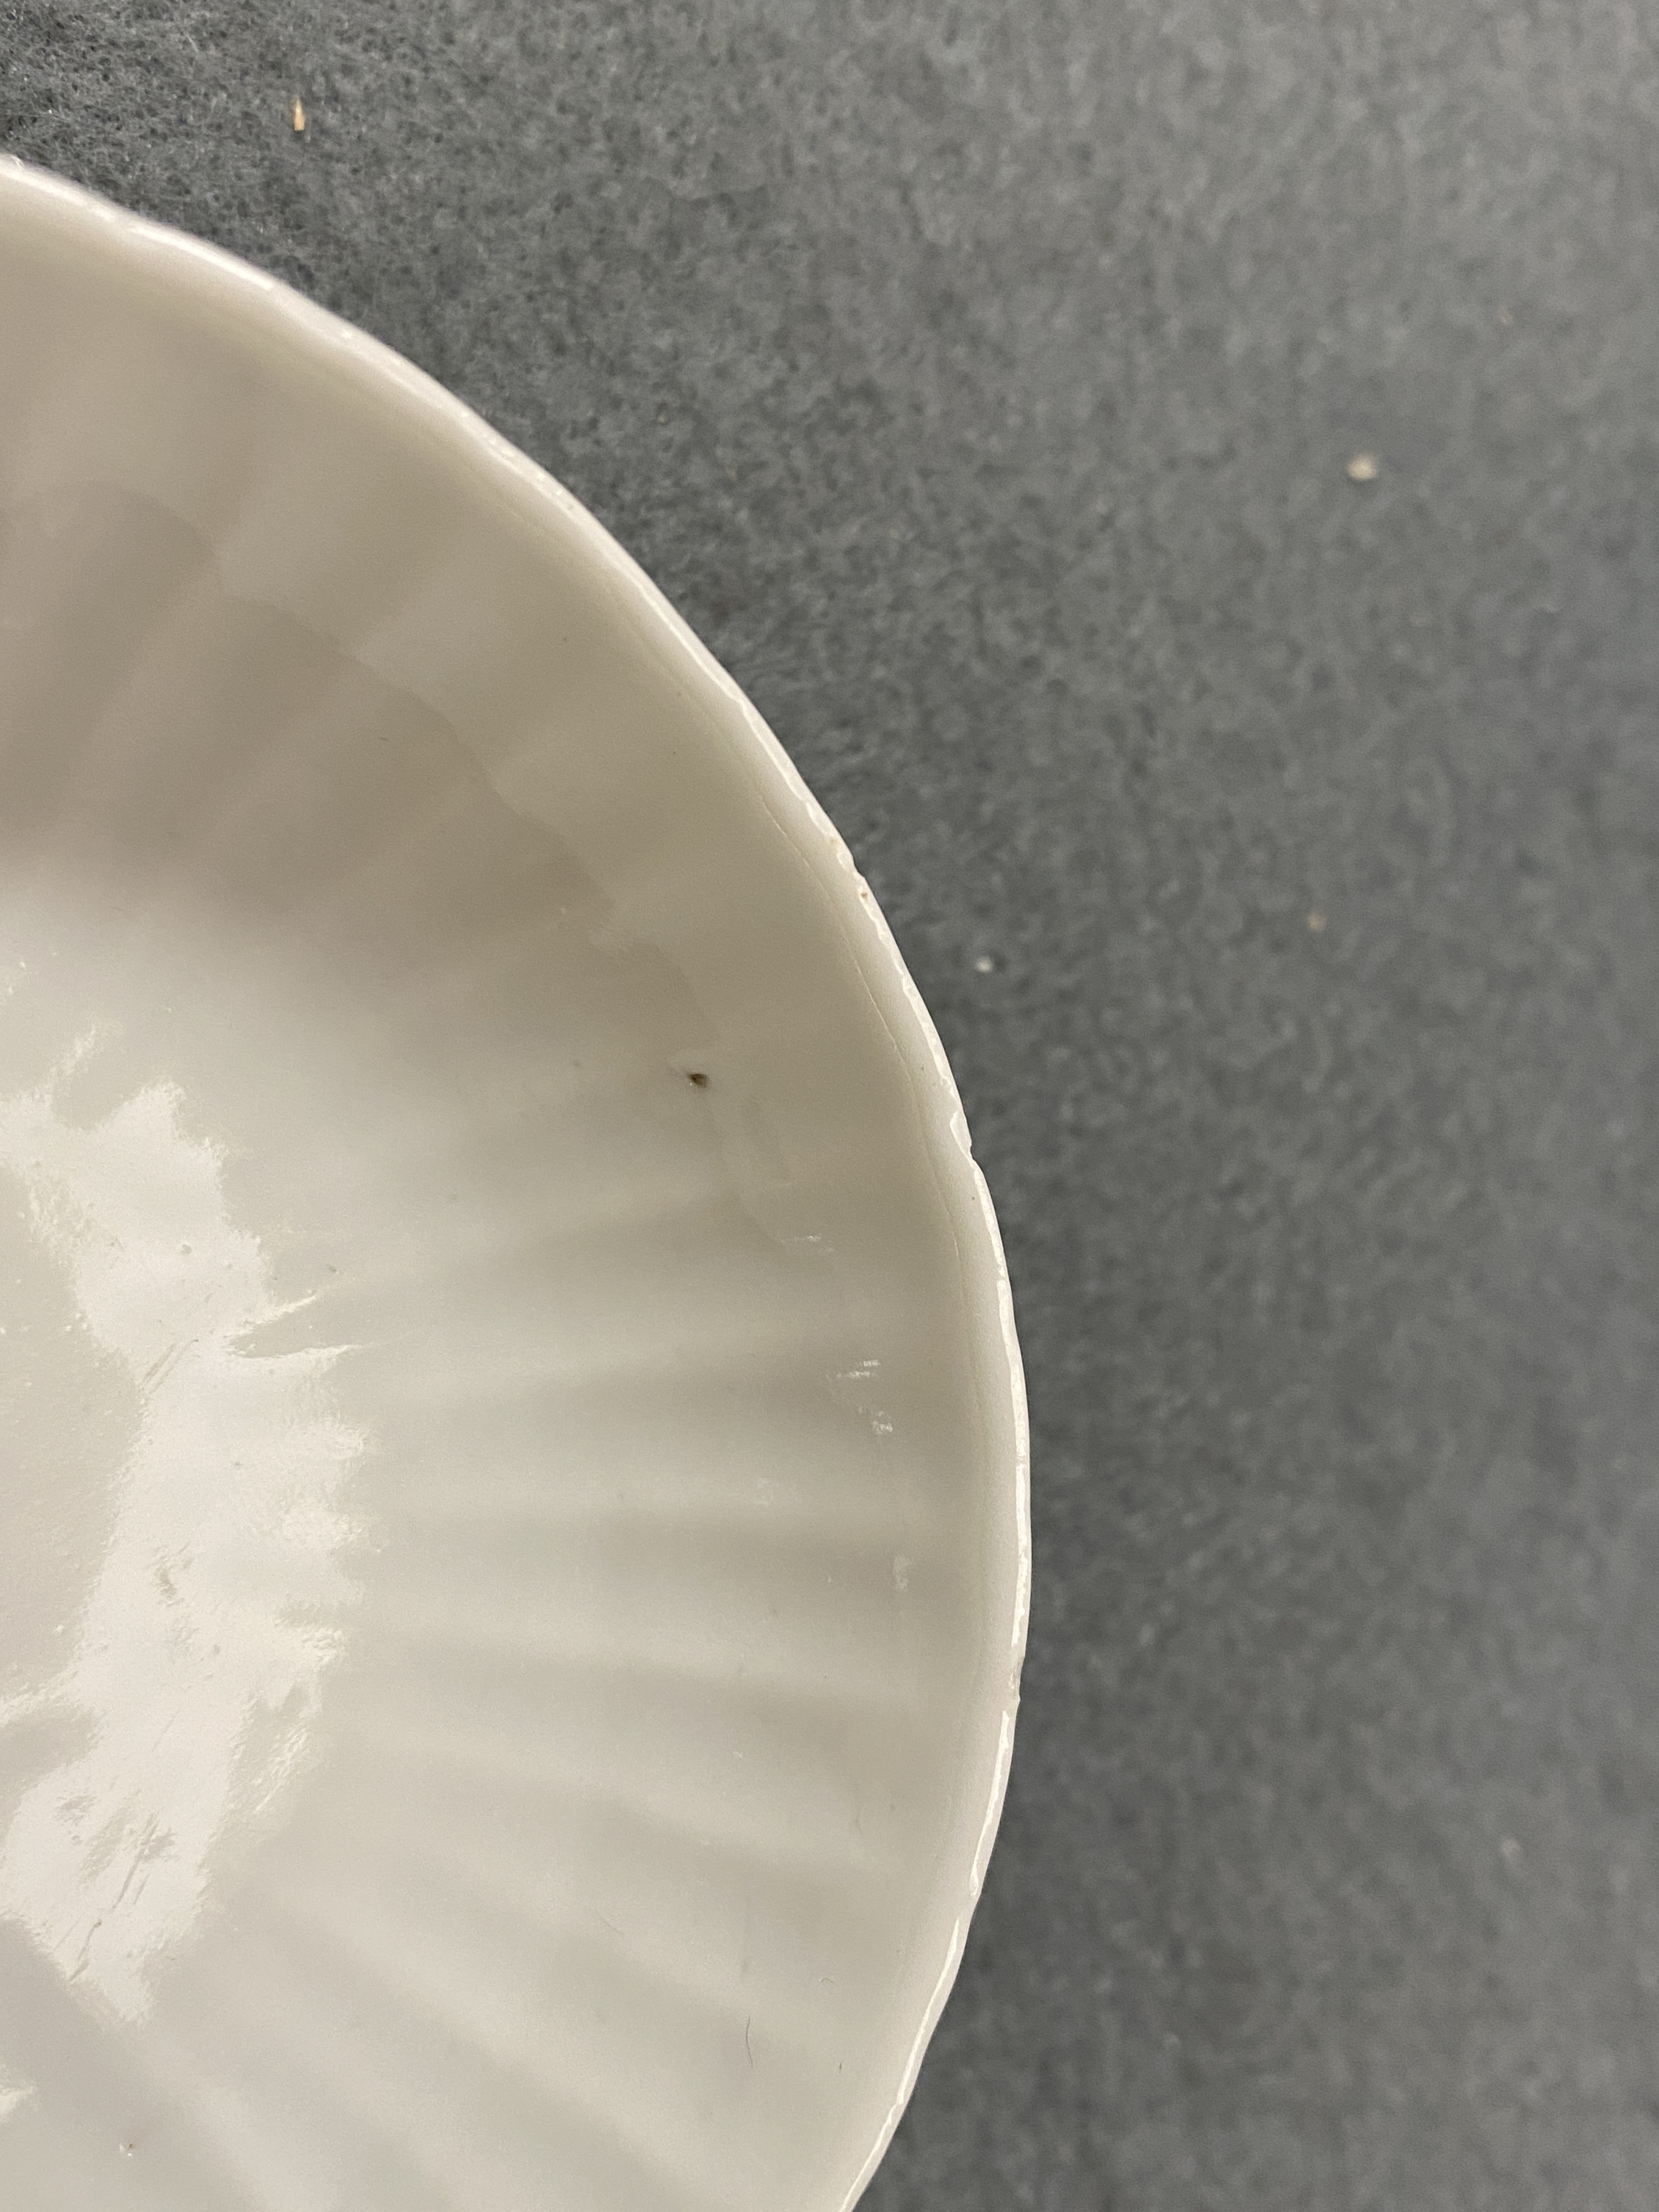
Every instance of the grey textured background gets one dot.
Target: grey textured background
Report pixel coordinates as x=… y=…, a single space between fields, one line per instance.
x=979 y=380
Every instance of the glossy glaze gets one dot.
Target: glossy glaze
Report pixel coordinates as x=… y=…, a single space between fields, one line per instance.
x=519 y=1461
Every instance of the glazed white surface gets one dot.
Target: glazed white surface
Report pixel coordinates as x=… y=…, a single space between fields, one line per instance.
x=217 y=1597
x=518 y=1484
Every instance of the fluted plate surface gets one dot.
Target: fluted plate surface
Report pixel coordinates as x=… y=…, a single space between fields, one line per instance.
x=514 y=1506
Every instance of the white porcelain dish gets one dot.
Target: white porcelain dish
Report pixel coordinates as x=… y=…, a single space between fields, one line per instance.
x=515 y=1517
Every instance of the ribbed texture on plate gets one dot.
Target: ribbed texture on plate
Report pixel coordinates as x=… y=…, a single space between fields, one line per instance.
x=631 y=1829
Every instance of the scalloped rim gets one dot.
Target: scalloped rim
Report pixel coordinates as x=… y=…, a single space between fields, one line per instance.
x=267 y=307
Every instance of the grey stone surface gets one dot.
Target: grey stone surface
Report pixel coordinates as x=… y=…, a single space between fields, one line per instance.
x=979 y=378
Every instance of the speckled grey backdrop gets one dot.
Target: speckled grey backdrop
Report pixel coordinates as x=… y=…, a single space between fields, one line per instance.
x=979 y=378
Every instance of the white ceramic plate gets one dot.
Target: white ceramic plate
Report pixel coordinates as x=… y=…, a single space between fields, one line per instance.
x=514 y=1513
